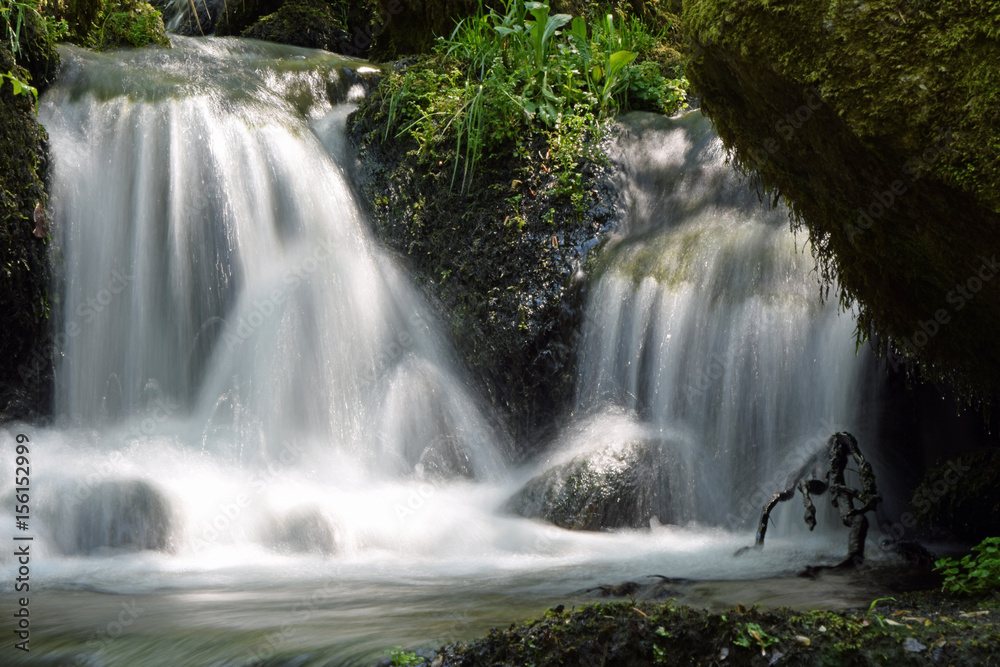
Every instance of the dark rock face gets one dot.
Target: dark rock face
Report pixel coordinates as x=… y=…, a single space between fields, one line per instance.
x=620 y=486
x=25 y=346
x=959 y=499
x=127 y=515
x=879 y=126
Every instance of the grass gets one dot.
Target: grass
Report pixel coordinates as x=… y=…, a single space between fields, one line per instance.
x=500 y=75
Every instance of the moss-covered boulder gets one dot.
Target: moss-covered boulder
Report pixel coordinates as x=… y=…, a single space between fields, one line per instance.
x=25 y=371
x=620 y=486
x=960 y=499
x=334 y=25
x=309 y=23
x=879 y=123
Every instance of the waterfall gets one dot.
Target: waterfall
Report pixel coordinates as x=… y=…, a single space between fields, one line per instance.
x=247 y=384
x=705 y=327
x=224 y=315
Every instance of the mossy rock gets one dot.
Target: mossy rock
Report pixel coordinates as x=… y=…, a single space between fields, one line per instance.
x=620 y=486
x=879 y=123
x=960 y=499
x=25 y=373
x=130 y=24
x=335 y=25
x=308 y=23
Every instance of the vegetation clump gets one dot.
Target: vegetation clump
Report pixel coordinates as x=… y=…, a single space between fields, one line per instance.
x=978 y=572
x=108 y=24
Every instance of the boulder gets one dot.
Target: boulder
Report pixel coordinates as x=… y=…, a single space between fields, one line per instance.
x=620 y=486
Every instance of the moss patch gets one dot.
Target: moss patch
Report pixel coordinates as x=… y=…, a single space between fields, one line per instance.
x=921 y=628
x=308 y=23
x=878 y=122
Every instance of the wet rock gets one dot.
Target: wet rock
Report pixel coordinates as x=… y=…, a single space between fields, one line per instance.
x=305 y=530
x=620 y=486
x=130 y=515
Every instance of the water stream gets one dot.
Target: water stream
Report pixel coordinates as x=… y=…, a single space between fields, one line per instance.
x=264 y=442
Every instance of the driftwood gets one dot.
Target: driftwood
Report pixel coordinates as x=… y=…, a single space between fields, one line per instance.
x=840 y=447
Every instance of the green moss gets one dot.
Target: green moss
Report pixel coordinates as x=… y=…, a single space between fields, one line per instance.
x=833 y=105
x=129 y=23
x=308 y=23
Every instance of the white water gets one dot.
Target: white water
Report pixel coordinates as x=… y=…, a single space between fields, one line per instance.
x=706 y=328
x=232 y=337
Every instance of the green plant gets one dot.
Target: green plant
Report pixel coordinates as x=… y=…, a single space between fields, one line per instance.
x=401 y=658
x=878 y=617
x=20 y=87
x=499 y=73
x=752 y=634
x=975 y=573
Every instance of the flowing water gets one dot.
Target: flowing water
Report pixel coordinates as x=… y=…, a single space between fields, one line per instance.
x=264 y=444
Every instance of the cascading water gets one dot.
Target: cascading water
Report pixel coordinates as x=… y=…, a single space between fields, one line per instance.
x=255 y=411
x=705 y=326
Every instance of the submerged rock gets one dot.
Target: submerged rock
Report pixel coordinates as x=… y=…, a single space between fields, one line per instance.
x=130 y=515
x=620 y=486
x=304 y=530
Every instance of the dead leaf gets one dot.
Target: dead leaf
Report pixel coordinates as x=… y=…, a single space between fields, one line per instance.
x=39 y=220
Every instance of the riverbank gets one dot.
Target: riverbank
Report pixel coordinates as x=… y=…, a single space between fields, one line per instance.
x=911 y=628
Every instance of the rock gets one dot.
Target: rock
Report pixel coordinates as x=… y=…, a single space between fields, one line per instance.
x=304 y=530
x=878 y=125
x=913 y=646
x=308 y=23
x=620 y=486
x=130 y=515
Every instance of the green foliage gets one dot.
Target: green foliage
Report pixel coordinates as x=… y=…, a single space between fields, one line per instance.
x=978 y=572
x=128 y=23
x=751 y=634
x=500 y=74
x=401 y=658
x=106 y=24
x=20 y=87
x=879 y=618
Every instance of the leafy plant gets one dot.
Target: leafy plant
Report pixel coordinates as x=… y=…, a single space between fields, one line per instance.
x=20 y=87
x=978 y=572
x=752 y=634
x=878 y=617
x=507 y=71
x=400 y=658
